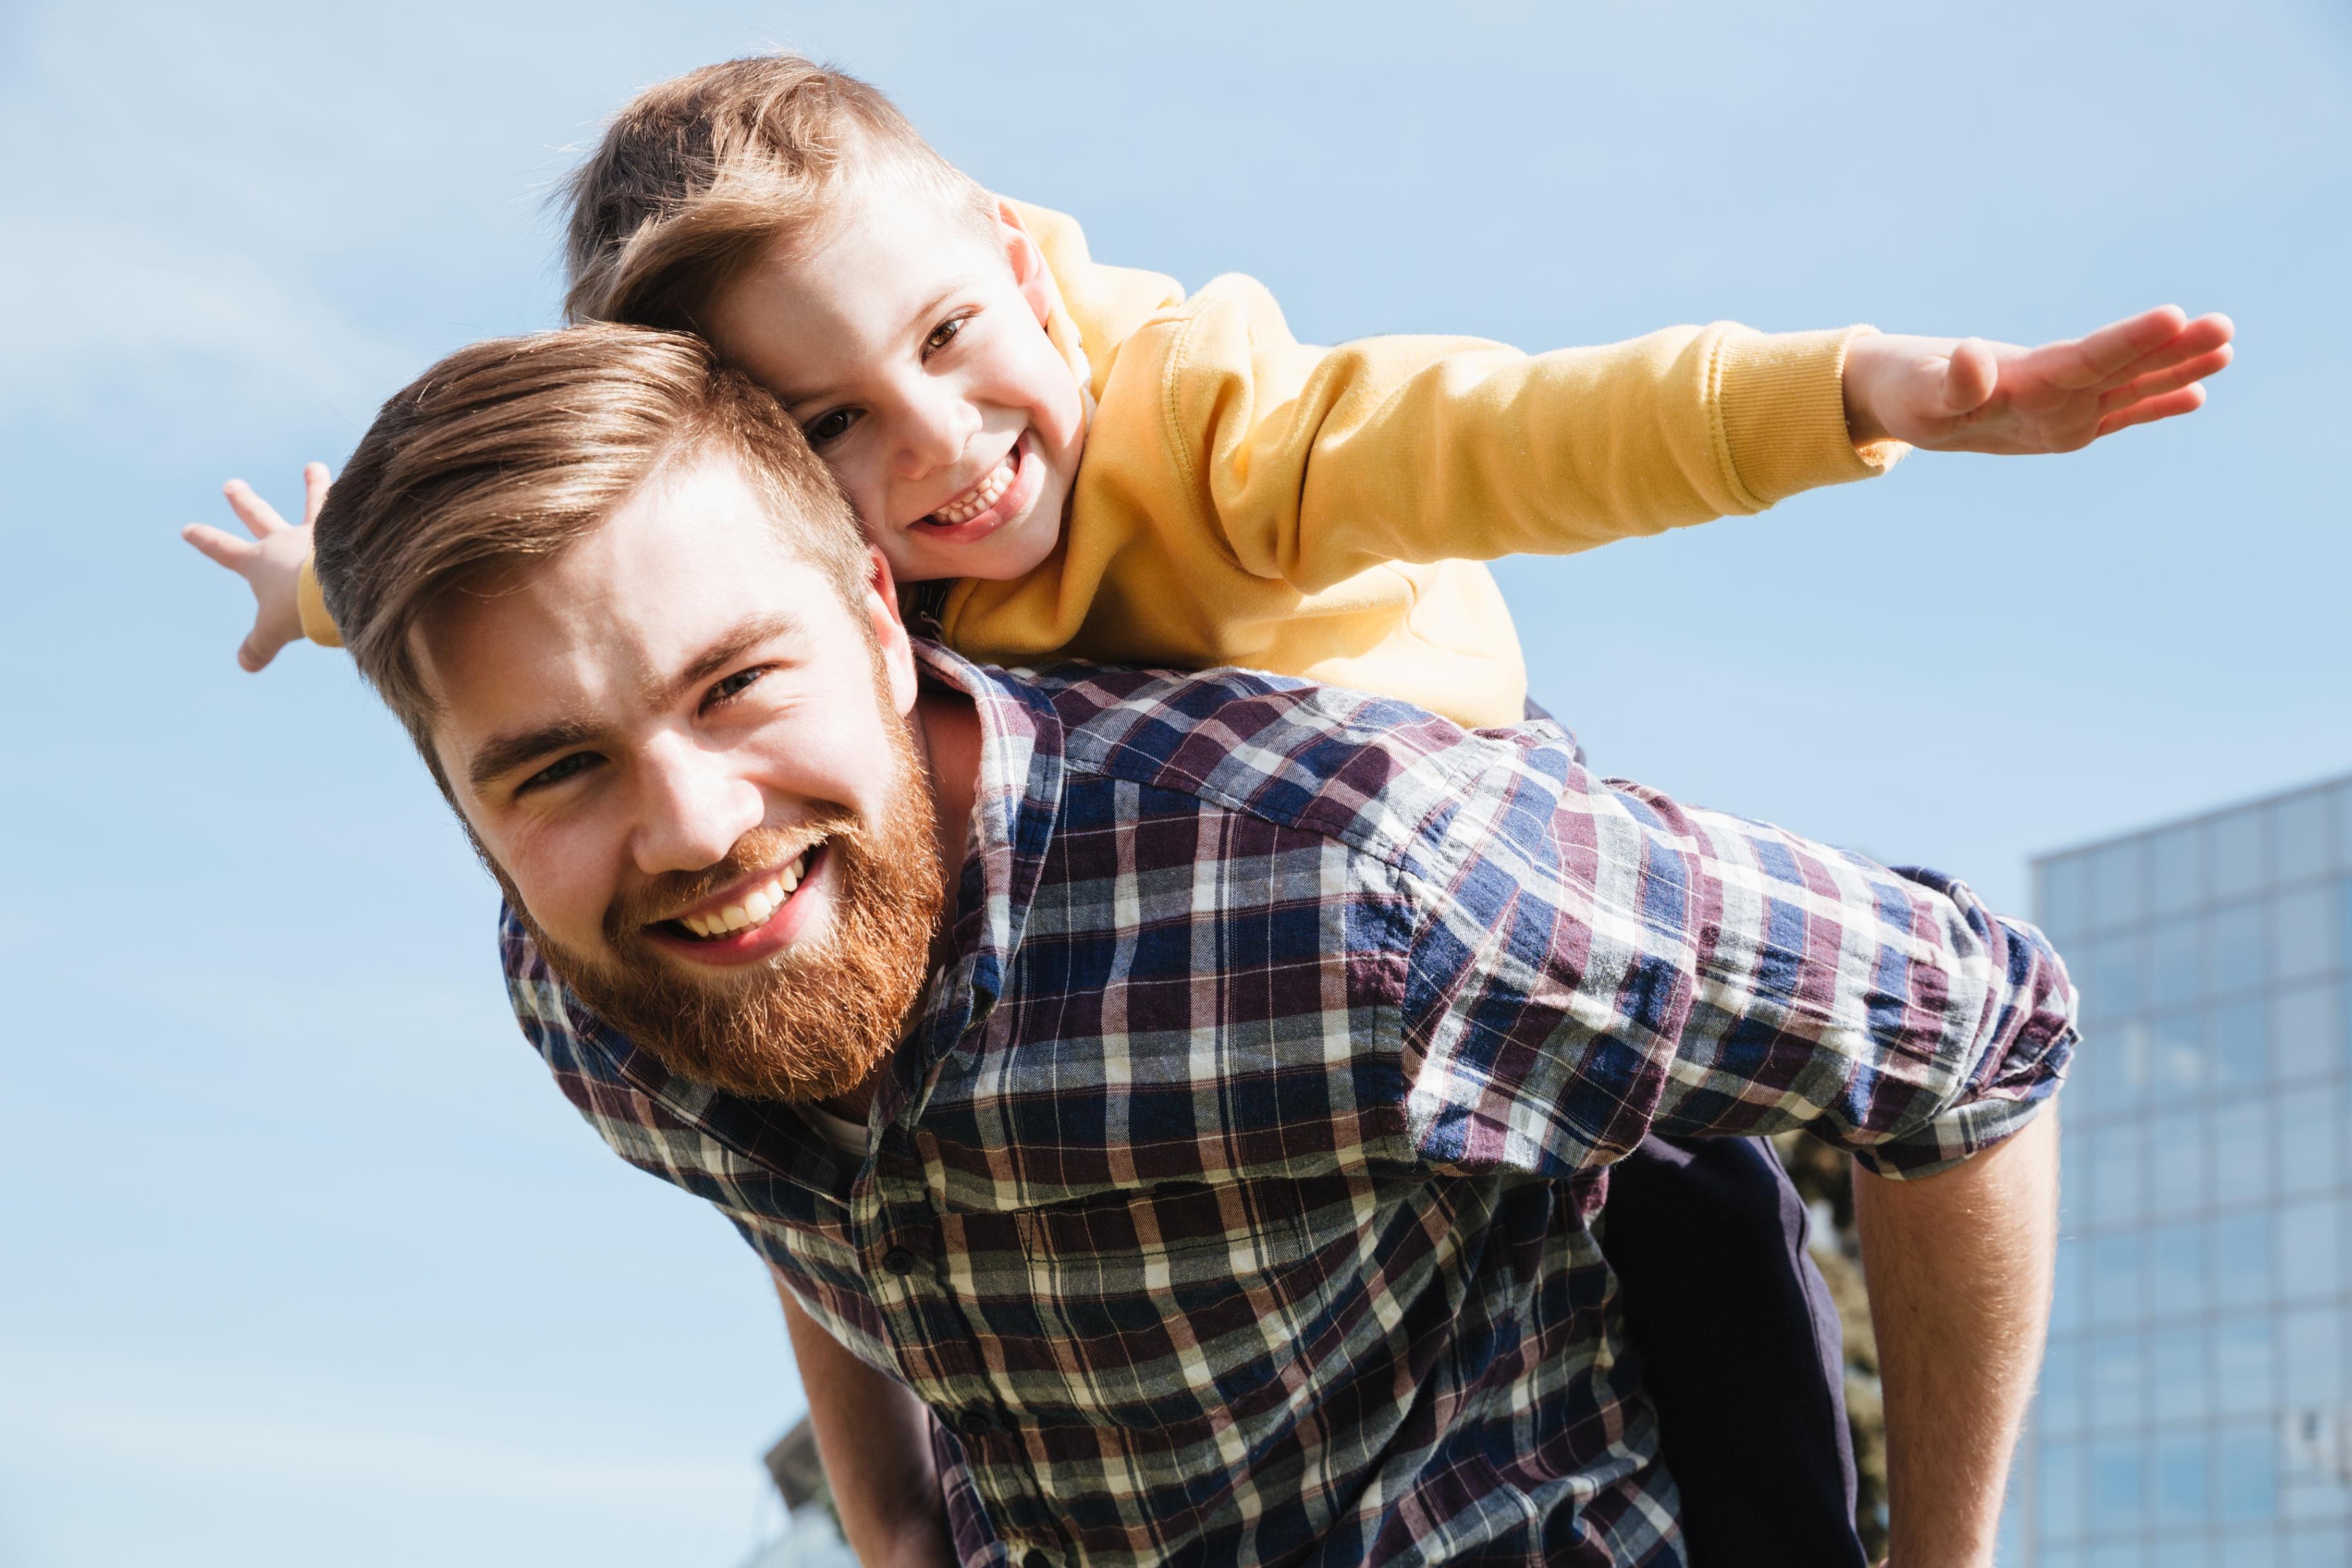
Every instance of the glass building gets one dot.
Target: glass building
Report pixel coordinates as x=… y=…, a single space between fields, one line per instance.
x=2194 y=1410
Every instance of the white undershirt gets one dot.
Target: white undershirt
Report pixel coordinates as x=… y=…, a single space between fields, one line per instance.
x=840 y=1131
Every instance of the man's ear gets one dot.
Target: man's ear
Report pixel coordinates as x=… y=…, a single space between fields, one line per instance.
x=890 y=641
x=1029 y=273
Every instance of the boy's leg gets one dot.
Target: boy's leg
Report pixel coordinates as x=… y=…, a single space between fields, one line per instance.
x=1740 y=1351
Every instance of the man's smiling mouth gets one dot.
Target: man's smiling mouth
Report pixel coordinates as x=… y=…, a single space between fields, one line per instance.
x=750 y=910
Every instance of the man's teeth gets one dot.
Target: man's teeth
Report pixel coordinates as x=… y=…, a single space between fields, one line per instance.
x=758 y=905
x=975 y=501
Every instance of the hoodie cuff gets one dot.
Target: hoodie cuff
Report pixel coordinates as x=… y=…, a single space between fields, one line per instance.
x=1781 y=403
x=317 y=624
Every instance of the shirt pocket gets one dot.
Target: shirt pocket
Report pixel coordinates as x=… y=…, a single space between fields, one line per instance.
x=1175 y=1307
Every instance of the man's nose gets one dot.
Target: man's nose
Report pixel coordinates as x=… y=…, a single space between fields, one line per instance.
x=934 y=422
x=693 y=808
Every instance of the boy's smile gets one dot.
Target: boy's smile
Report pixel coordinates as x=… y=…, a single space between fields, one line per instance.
x=909 y=344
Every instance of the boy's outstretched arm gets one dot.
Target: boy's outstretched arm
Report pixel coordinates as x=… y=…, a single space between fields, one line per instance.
x=1965 y=395
x=271 y=562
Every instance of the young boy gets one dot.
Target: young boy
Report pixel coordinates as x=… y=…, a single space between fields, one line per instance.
x=1242 y=499
x=1080 y=460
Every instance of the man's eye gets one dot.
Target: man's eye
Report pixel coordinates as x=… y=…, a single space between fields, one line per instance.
x=831 y=426
x=732 y=685
x=556 y=772
x=943 y=334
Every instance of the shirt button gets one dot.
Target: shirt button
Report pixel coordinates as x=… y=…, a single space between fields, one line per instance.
x=1033 y=1558
x=972 y=1422
x=899 y=1261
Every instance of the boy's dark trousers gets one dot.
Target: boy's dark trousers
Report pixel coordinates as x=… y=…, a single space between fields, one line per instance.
x=1740 y=1351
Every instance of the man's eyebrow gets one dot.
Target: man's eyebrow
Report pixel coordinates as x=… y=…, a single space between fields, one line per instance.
x=502 y=754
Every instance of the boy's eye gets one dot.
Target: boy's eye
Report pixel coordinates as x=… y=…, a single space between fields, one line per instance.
x=830 y=426
x=556 y=772
x=943 y=334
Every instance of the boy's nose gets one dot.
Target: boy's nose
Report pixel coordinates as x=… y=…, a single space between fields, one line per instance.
x=934 y=429
x=693 y=808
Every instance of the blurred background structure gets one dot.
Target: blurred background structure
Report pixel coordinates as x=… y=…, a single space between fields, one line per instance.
x=303 y=1258
x=2193 y=1408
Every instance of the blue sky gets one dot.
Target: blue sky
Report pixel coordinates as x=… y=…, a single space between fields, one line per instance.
x=305 y=1260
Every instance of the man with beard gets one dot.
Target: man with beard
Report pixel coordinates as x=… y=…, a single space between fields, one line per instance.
x=1174 y=1107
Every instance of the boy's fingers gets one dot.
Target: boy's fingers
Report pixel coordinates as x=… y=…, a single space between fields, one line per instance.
x=2114 y=347
x=2187 y=400
x=2201 y=336
x=251 y=656
x=314 y=491
x=2155 y=383
x=1970 y=375
x=256 y=514
x=226 y=549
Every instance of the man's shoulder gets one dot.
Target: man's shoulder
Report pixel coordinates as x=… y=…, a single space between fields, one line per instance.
x=1380 y=776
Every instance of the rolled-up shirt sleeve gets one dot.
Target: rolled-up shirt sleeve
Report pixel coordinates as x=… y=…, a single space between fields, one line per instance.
x=1595 y=962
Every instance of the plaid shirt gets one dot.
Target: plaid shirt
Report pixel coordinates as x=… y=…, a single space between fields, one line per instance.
x=1232 y=1198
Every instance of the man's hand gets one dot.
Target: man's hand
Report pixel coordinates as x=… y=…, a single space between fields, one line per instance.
x=271 y=562
x=1965 y=395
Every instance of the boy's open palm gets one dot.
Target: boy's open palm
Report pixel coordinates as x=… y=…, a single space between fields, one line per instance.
x=1965 y=395
x=271 y=562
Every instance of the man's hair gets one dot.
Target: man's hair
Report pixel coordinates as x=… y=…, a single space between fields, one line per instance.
x=697 y=176
x=509 y=450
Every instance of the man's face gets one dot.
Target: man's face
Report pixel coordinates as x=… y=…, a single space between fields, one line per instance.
x=688 y=760
x=912 y=352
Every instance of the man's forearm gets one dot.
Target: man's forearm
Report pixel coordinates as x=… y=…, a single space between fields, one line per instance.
x=874 y=1436
x=1960 y=1269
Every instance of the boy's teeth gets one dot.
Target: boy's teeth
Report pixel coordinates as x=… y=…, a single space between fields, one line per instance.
x=987 y=494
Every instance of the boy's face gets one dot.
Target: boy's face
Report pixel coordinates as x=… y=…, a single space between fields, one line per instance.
x=912 y=351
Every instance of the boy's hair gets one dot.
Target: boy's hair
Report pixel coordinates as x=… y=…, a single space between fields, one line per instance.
x=512 y=450
x=699 y=175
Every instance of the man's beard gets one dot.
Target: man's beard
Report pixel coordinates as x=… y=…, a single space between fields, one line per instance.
x=810 y=1022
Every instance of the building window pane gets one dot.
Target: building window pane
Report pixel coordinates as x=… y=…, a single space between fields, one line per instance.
x=2180 y=1470
x=2308 y=1036
x=2111 y=987
x=2299 y=837
x=2115 y=1176
x=2117 y=894
x=2307 y=1248
x=2176 y=1164
x=2175 y=1375
x=2239 y=961
x=2176 y=962
x=2114 y=1278
x=2175 y=1269
x=2116 y=1381
x=2238 y=865
x=2178 y=1551
x=2242 y=1151
x=2118 y=1490
x=2244 y=1367
x=2058 y=1392
x=2242 y=1259
x=2305 y=928
x=2175 y=1056
x=2319 y=1548
x=2246 y=1478
x=2176 y=863
x=2240 y=1033
x=2117 y=1554
x=2308 y=1126
x=2312 y=1344
x=2062 y=901
x=2058 y=1496
x=2066 y=1295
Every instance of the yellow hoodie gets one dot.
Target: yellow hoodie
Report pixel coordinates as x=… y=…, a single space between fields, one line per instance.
x=1246 y=499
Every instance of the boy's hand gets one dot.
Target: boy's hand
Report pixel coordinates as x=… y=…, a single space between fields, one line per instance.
x=1964 y=394
x=271 y=562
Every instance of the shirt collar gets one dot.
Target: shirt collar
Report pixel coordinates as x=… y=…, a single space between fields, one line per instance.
x=1015 y=807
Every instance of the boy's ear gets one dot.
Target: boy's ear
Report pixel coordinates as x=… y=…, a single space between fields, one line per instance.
x=1029 y=273
x=888 y=630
